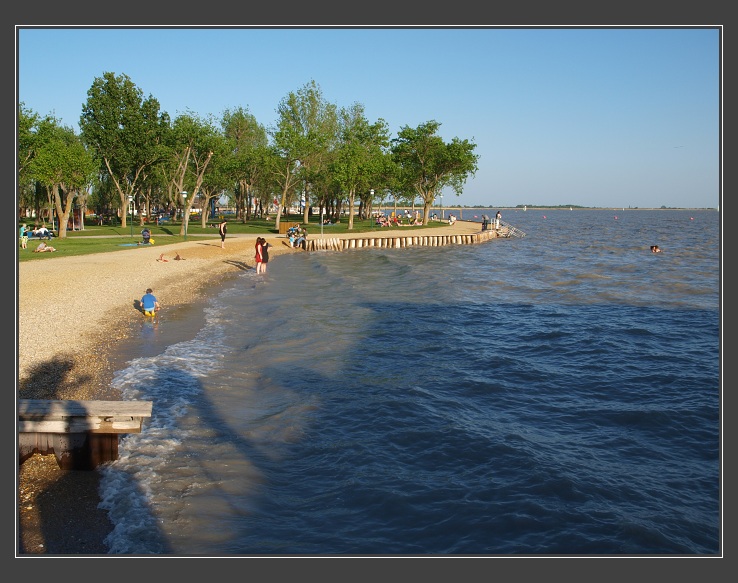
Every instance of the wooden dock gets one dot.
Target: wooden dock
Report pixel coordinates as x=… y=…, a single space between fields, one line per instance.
x=80 y=434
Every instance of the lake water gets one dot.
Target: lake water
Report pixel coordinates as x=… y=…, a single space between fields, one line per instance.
x=556 y=394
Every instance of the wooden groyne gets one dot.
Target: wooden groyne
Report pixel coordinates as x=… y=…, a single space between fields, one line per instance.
x=396 y=242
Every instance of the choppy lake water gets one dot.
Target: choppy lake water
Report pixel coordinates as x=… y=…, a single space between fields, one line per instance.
x=557 y=394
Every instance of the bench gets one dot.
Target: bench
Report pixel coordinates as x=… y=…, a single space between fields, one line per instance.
x=285 y=226
x=80 y=434
x=48 y=236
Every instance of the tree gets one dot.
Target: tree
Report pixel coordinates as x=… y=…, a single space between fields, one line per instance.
x=246 y=140
x=319 y=123
x=218 y=178
x=124 y=130
x=282 y=170
x=428 y=164
x=358 y=158
x=282 y=162
x=304 y=132
x=64 y=166
x=193 y=143
x=28 y=122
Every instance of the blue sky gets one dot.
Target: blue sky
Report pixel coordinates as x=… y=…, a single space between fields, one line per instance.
x=608 y=117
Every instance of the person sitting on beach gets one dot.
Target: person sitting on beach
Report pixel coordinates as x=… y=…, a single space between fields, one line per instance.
x=43 y=247
x=451 y=219
x=149 y=303
x=302 y=239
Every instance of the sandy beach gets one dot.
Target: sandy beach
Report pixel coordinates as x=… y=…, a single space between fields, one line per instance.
x=72 y=312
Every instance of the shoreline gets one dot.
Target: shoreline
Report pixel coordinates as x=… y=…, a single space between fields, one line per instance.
x=59 y=358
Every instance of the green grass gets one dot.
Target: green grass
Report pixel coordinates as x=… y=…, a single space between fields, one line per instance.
x=97 y=239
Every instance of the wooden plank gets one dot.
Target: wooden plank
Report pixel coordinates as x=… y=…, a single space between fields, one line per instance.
x=40 y=408
x=80 y=425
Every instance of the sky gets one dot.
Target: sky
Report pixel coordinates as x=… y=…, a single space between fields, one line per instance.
x=587 y=116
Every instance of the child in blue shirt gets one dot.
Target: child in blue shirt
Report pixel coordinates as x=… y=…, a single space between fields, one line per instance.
x=149 y=303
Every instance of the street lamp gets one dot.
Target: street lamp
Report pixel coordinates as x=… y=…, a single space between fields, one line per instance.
x=371 y=205
x=441 y=206
x=130 y=204
x=184 y=213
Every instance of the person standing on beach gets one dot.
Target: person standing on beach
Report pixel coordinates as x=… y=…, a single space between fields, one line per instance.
x=149 y=303
x=223 y=229
x=259 y=257
x=264 y=254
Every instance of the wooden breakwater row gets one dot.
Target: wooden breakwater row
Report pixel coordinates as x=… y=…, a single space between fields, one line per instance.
x=338 y=244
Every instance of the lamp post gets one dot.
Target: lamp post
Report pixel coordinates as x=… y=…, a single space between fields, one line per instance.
x=441 y=206
x=130 y=204
x=371 y=206
x=184 y=213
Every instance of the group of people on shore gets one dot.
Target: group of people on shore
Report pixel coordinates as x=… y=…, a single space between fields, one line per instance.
x=399 y=220
x=41 y=232
x=297 y=237
x=262 y=254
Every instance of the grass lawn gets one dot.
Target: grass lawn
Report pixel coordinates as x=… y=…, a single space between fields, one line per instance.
x=104 y=239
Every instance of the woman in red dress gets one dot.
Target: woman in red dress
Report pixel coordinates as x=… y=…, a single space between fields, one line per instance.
x=259 y=258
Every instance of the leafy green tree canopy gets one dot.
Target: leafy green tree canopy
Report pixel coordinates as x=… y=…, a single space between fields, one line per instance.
x=428 y=164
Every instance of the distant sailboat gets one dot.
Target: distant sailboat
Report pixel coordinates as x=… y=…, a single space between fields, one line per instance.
x=525 y=208
x=571 y=209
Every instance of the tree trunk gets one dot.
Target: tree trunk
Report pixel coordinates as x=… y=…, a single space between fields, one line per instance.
x=351 y=200
x=426 y=212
